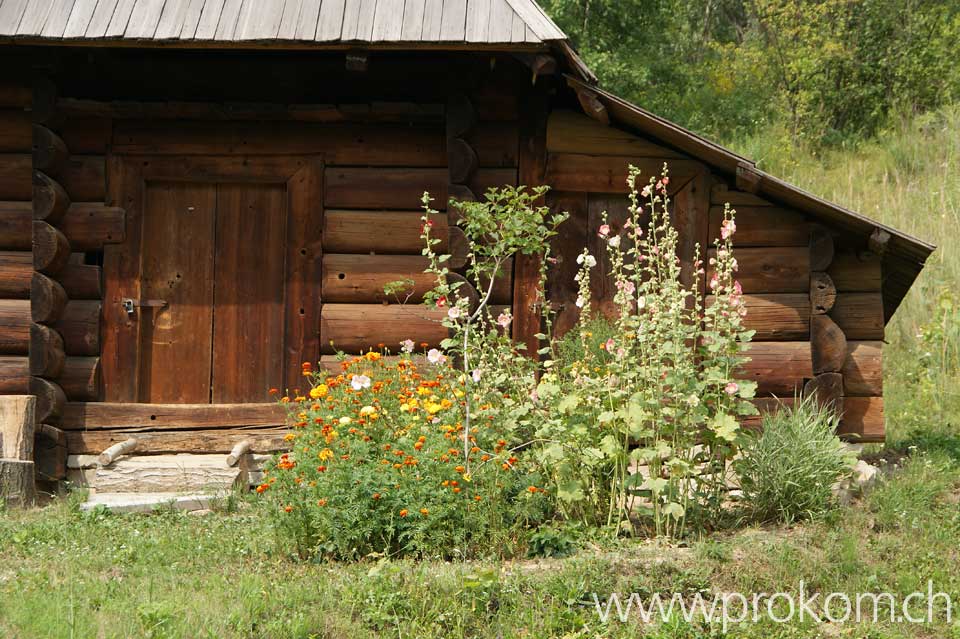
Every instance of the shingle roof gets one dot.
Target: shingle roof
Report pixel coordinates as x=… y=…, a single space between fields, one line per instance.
x=277 y=21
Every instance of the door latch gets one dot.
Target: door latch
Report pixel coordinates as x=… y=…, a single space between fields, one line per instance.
x=130 y=304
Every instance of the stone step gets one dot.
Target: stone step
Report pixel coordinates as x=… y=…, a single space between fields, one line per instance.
x=147 y=502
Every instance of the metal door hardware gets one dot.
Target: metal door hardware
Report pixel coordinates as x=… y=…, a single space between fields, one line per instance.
x=130 y=304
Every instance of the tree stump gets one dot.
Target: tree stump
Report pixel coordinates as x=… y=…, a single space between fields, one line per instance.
x=17 y=485
x=17 y=419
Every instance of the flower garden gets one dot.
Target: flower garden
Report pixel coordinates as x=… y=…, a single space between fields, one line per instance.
x=627 y=425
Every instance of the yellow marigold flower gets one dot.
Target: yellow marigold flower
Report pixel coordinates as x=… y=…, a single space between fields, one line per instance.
x=446 y=403
x=458 y=393
x=325 y=454
x=424 y=512
x=289 y=437
x=319 y=391
x=368 y=410
x=372 y=356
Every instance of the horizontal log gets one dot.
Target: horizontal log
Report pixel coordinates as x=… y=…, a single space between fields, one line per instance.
x=856 y=272
x=14 y=375
x=87 y=135
x=16 y=183
x=51 y=250
x=776 y=317
x=86 y=225
x=50 y=153
x=80 y=327
x=15 y=131
x=863 y=369
x=775 y=269
x=863 y=419
x=608 y=174
x=51 y=400
x=15 y=226
x=14 y=327
x=46 y=351
x=16 y=94
x=111 y=453
x=137 y=417
x=341 y=144
x=47 y=299
x=778 y=368
x=721 y=194
x=393 y=188
x=196 y=441
x=84 y=177
x=81 y=281
x=572 y=132
x=157 y=473
x=80 y=379
x=462 y=161
x=764 y=226
x=396 y=232
x=859 y=315
x=355 y=328
x=16 y=271
x=361 y=278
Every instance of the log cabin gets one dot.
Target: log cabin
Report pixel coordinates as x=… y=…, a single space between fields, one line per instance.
x=198 y=195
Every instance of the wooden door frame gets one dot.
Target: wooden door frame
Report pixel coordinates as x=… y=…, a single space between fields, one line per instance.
x=127 y=175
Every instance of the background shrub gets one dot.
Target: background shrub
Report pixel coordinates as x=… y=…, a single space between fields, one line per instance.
x=787 y=471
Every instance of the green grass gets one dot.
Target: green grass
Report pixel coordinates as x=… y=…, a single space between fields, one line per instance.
x=66 y=574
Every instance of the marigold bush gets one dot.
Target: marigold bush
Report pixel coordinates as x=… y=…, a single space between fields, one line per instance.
x=376 y=467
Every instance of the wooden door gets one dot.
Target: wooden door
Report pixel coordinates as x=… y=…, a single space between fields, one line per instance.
x=221 y=264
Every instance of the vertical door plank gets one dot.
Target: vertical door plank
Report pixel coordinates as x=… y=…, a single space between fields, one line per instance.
x=177 y=267
x=120 y=341
x=248 y=321
x=304 y=268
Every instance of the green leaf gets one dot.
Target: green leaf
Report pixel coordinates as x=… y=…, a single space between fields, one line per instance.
x=606 y=416
x=570 y=491
x=725 y=427
x=610 y=446
x=673 y=509
x=568 y=403
x=655 y=484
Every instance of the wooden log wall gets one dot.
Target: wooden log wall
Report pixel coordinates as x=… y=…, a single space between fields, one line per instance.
x=813 y=298
x=375 y=174
x=52 y=212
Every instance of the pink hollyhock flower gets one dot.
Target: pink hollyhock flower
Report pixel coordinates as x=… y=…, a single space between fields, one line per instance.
x=504 y=319
x=727 y=229
x=737 y=288
x=454 y=312
x=609 y=345
x=434 y=356
x=731 y=388
x=646 y=191
x=359 y=382
x=714 y=282
x=604 y=230
x=475 y=375
x=627 y=287
x=407 y=346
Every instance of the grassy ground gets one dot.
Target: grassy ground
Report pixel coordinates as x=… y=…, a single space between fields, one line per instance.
x=65 y=574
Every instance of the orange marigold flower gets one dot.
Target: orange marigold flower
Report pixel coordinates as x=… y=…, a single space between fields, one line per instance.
x=404 y=512
x=376 y=495
x=424 y=512
x=460 y=469
x=485 y=458
x=477 y=498
x=321 y=469
x=321 y=502
x=288 y=509
x=457 y=489
x=274 y=391
x=398 y=466
x=418 y=446
x=532 y=489
x=262 y=488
